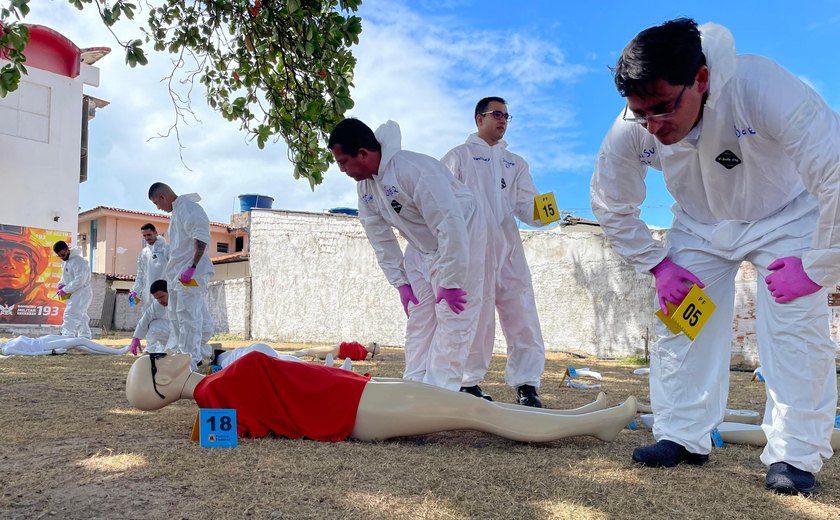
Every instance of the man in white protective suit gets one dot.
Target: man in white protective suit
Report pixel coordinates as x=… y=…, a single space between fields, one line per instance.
x=155 y=325
x=74 y=289
x=501 y=181
x=441 y=279
x=752 y=156
x=151 y=264
x=188 y=271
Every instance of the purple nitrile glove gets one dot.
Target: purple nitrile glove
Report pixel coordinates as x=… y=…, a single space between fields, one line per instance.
x=132 y=295
x=61 y=293
x=61 y=286
x=789 y=281
x=670 y=283
x=407 y=295
x=456 y=298
x=135 y=346
x=187 y=275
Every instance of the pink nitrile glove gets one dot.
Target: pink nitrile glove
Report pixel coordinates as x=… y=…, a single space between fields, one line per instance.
x=61 y=293
x=671 y=283
x=187 y=275
x=135 y=346
x=407 y=295
x=456 y=298
x=789 y=281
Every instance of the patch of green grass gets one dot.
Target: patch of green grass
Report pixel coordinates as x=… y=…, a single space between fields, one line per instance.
x=635 y=360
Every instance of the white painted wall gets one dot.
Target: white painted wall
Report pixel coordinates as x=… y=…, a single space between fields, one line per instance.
x=40 y=136
x=315 y=279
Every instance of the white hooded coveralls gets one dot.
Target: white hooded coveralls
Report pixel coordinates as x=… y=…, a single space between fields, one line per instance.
x=188 y=312
x=151 y=266
x=155 y=327
x=757 y=179
x=75 y=276
x=446 y=233
x=501 y=181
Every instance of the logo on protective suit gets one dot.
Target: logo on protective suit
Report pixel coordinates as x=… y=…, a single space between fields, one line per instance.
x=367 y=198
x=396 y=205
x=390 y=191
x=728 y=160
x=504 y=185
x=6 y=310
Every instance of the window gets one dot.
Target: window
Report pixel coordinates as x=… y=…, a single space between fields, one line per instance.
x=221 y=247
x=240 y=244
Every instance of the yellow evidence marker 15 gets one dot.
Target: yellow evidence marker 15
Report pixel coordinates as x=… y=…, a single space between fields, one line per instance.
x=691 y=315
x=545 y=208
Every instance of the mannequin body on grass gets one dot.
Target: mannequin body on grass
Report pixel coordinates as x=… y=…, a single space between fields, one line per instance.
x=268 y=395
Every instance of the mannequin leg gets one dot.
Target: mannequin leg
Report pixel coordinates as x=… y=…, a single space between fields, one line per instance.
x=319 y=352
x=396 y=409
x=599 y=403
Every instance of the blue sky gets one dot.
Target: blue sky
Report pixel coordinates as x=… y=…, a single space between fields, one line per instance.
x=424 y=64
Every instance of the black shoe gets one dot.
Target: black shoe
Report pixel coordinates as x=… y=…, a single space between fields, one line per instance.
x=667 y=454
x=786 y=479
x=527 y=396
x=476 y=391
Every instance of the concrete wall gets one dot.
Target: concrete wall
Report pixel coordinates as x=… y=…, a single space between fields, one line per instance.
x=315 y=279
x=587 y=298
x=230 y=306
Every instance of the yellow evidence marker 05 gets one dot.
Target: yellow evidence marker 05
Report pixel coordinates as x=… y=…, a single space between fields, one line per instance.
x=545 y=208
x=691 y=315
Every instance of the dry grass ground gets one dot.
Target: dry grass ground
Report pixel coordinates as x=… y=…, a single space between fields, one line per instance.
x=72 y=447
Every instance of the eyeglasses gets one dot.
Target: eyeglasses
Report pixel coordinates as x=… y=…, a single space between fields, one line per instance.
x=643 y=120
x=498 y=115
x=154 y=356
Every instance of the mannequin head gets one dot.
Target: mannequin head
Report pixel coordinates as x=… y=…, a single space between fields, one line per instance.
x=155 y=380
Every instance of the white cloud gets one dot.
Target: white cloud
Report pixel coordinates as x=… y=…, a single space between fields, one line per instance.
x=425 y=73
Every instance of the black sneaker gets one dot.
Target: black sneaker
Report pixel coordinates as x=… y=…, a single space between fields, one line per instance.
x=786 y=479
x=476 y=391
x=527 y=396
x=667 y=454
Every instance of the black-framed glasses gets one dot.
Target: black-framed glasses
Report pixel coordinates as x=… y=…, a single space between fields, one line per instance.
x=498 y=115
x=643 y=120
x=154 y=356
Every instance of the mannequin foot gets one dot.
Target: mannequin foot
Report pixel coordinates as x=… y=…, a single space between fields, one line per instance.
x=527 y=396
x=476 y=391
x=615 y=419
x=786 y=479
x=667 y=454
x=373 y=348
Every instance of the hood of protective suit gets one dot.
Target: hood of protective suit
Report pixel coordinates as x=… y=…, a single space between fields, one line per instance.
x=719 y=49
x=75 y=251
x=390 y=139
x=474 y=138
x=195 y=197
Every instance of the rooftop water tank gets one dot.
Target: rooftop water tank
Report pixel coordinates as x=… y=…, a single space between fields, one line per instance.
x=344 y=211
x=249 y=201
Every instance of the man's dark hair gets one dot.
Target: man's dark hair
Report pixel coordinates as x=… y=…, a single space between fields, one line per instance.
x=155 y=188
x=61 y=245
x=353 y=135
x=482 y=105
x=148 y=226
x=158 y=285
x=671 y=52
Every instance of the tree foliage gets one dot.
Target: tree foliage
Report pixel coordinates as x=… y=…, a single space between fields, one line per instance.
x=281 y=68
